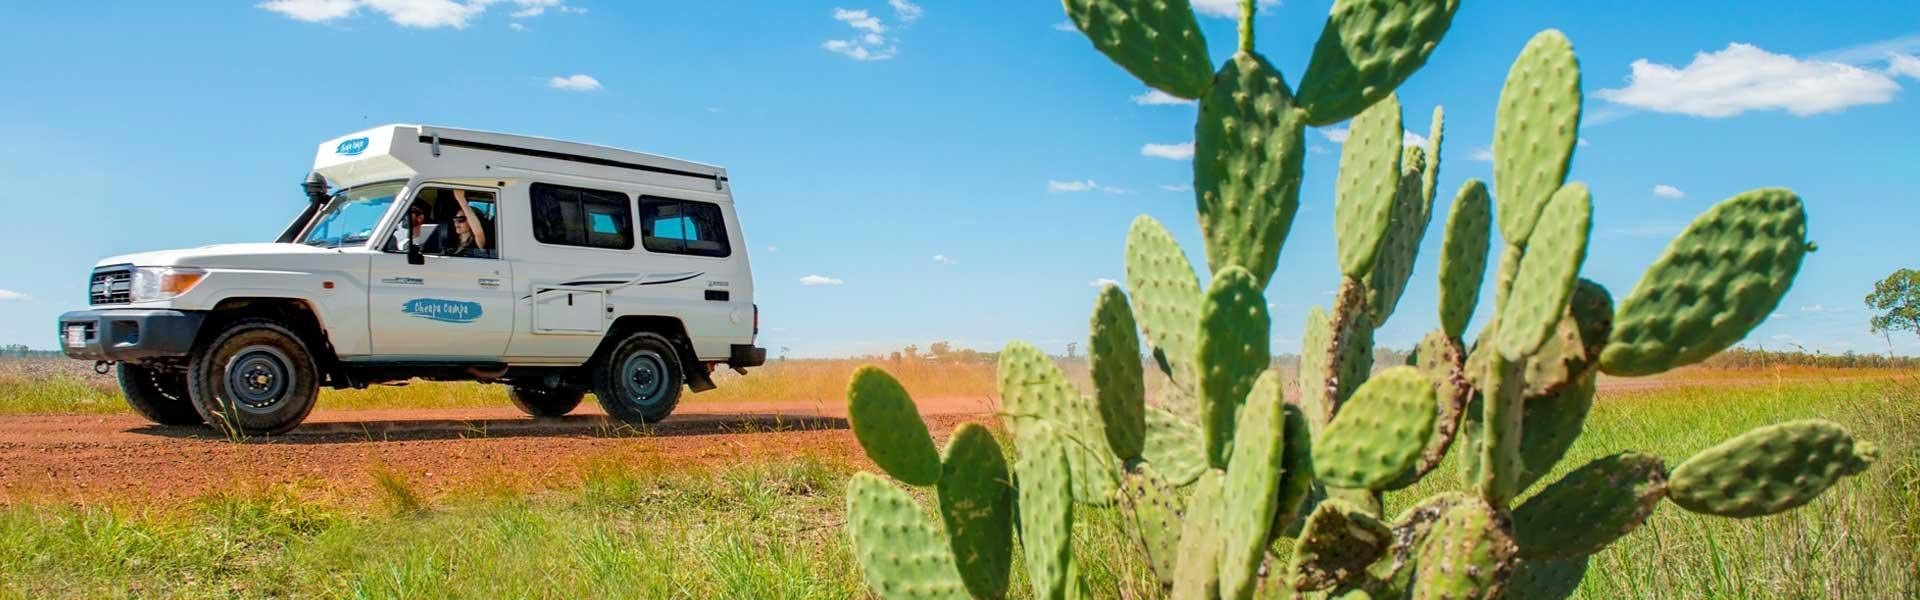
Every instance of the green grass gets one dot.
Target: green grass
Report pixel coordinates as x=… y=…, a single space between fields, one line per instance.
x=774 y=529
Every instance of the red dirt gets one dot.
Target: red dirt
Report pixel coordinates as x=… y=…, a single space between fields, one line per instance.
x=124 y=459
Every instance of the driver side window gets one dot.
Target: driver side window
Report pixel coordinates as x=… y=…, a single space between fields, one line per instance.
x=436 y=222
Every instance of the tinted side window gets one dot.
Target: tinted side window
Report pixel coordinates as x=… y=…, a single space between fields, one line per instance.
x=573 y=216
x=683 y=227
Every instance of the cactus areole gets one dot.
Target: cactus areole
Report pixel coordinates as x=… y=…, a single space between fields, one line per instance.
x=1257 y=466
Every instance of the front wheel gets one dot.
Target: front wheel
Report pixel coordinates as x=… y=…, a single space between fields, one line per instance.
x=256 y=377
x=159 y=395
x=539 y=401
x=640 y=380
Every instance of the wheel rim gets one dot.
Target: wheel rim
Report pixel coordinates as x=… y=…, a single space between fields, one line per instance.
x=644 y=376
x=259 y=378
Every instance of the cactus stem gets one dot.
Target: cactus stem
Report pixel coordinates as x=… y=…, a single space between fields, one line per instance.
x=1500 y=455
x=1246 y=26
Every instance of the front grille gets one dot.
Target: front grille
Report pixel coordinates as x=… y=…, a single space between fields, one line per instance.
x=110 y=285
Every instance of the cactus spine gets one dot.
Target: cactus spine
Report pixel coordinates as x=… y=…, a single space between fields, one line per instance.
x=1262 y=470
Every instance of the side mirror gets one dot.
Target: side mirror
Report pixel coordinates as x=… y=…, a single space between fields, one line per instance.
x=414 y=256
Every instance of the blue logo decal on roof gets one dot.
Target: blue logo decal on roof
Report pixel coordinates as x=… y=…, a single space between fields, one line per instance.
x=352 y=147
x=444 y=311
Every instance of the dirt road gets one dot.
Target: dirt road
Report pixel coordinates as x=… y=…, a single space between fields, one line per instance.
x=123 y=459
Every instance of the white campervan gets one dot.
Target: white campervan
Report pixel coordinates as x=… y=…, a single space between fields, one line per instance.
x=428 y=252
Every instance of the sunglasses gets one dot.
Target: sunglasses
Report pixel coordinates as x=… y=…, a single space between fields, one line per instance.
x=459 y=219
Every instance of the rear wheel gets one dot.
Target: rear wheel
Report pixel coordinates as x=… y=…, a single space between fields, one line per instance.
x=159 y=395
x=255 y=377
x=639 y=381
x=540 y=401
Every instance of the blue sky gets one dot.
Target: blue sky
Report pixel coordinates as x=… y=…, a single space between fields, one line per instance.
x=905 y=173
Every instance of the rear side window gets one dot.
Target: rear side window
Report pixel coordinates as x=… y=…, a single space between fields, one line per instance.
x=571 y=216
x=683 y=227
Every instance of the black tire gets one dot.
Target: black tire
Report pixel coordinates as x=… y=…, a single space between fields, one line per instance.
x=277 y=379
x=158 y=395
x=542 y=401
x=639 y=381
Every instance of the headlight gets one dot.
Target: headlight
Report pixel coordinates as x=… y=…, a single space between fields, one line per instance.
x=164 y=283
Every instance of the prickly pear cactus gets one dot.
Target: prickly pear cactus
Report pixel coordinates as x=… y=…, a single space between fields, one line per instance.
x=1221 y=467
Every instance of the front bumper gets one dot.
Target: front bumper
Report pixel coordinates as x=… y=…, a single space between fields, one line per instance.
x=742 y=356
x=129 y=335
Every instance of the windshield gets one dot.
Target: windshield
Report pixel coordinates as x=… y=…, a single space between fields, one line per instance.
x=351 y=215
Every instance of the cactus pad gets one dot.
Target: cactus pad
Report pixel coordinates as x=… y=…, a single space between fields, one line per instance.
x=1590 y=507
x=1198 y=573
x=1535 y=129
x=889 y=428
x=1296 y=476
x=897 y=546
x=1153 y=508
x=1155 y=40
x=1316 y=368
x=1463 y=256
x=1379 y=433
x=1033 y=391
x=1114 y=359
x=1336 y=545
x=1248 y=148
x=1232 y=353
x=1545 y=279
x=1717 y=280
x=1046 y=510
x=1769 y=469
x=1174 y=446
x=1369 y=180
x=1166 y=295
x=1430 y=176
x=1254 y=473
x=1394 y=264
x=1574 y=347
x=1439 y=360
x=1468 y=553
x=1366 y=49
x=976 y=502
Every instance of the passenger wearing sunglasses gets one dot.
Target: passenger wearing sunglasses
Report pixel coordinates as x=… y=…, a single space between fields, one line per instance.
x=470 y=233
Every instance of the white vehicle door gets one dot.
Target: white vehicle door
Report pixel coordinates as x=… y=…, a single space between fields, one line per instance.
x=457 y=306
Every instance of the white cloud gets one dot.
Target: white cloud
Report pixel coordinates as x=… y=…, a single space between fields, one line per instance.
x=1177 y=187
x=1065 y=26
x=1062 y=187
x=944 y=259
x=870 y=41
x=13 y=296
x=1102 y=282
x=812 y=280
x=773 y=248
x=1482 y=155
x=859 y=19
x=1338 y=135
x=1153 y=97
x=1813 y=308
x=312 y=11
x=907 y=11
x=574 y=83
x=1581 y=142
x=1743 y=77
x=1903 y=64
x=1228 y=8
x=1668 y=192
x=516 y=27
x=1180 y=151
x=423 y=14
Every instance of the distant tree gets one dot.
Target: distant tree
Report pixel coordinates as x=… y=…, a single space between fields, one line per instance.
x=1897 y=299
x=1070 y=348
